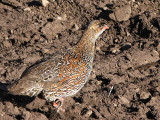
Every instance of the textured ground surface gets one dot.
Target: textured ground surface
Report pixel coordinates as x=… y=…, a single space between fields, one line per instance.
x=127 y=57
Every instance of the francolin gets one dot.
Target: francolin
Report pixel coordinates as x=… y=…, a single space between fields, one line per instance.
x=63 y=74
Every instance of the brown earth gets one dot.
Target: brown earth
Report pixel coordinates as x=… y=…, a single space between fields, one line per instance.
x=125 y=82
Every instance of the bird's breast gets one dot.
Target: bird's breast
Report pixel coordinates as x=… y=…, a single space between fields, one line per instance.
x=72 y=77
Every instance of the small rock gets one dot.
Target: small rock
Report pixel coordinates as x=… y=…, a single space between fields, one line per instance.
x=105 y=8
x=143 y=57
x=158 y=88
x=115 y=105
x=126 y=46
x=6 y=117
x=44 y=108
x=115 y=50
x=121 y=14
x=154 y=53
x=144 y=95
x=116 y=41
x=38 y=116
x=96 y=112
x=92 y=76
x=46 y=50
x=98 y=48
x=88 y=113
x=2 y=70
x=32 y=59
x=45 y=3
x=62 y=17
x=11 y=109
x=26 y=115
x=7 y=44
x=103 y=48
x=37 y=103
x=127 y=33
x=98 y=82
x=124 y=100
x=2 y=114
x=137 y=90
x=27 y=9
x=129 y=57
x=133 y=88
x=51 y=29
x=75 y=27
x=136 y=6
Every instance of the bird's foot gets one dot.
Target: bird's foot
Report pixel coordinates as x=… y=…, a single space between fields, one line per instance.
x=58 y=104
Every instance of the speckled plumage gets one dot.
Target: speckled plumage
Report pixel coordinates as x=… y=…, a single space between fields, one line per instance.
x=64 y=74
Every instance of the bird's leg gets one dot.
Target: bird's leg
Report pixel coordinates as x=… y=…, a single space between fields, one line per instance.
x=58 y=103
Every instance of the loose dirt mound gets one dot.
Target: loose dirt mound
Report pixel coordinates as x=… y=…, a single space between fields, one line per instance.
x=125 y=82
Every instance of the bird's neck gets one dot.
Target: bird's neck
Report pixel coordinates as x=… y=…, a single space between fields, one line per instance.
x=85 y=47
x=87 y=43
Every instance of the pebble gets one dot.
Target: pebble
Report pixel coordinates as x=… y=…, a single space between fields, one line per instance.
x=45 y=3
x=121 y=14
x=27 y=9
x=63 y=17
x=124 y=100
x=98 y=48
x=96 y=112
x=51 y=29
x=35 y=104
x=116 y=40
x=11 y=109
x=7 y=44
x=126 y=46
x=2 y=70
x=129 y=57
x=144 y=95
x=158 y=88
x=115 y=50
x=88 y=113
x=44 y=108
x=38 y=116
x=93 y=76
x=127 y=33
x=115 y=105
x=75 y=27
x=26 y=115
x=46 y=50
x=98 y=82
x=32 y=59
x=154 y=53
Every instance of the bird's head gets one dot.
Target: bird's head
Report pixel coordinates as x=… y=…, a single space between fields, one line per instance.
x=97 y=27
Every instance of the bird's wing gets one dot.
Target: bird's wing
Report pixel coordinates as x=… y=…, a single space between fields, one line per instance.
x=32 y=80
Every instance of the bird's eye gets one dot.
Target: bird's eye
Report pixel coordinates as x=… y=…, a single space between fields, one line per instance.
x=101 y=24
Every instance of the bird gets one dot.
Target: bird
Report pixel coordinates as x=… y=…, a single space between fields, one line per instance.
x=64 y=74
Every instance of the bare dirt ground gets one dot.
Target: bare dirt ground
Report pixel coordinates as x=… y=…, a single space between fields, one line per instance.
x=127 y=57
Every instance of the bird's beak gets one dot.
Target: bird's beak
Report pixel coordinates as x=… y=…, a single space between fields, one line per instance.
x=105 y=27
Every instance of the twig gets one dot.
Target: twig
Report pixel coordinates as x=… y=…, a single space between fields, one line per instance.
x=110 y=91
